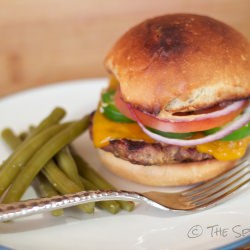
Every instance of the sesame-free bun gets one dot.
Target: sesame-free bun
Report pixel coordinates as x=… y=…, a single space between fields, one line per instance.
x=168 y=175
x=181 y=62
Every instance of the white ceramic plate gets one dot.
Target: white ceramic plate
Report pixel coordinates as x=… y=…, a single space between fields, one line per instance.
x=144 y=228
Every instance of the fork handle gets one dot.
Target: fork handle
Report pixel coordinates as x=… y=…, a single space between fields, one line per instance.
x=36 y=206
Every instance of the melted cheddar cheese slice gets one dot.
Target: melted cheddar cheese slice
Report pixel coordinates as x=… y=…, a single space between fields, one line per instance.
x=105 y=130
x=225 y=150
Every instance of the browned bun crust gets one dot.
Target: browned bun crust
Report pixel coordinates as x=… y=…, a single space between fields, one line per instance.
x=169 y=175
x=181 y=62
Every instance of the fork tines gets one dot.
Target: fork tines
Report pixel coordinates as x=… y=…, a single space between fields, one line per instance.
x=218 y=188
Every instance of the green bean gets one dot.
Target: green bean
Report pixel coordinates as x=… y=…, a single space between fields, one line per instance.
x=59 y=182
x=53 y=118
x=11 y=167
x=23 y=135
x=67 y=164
x=63 y=184
x=110 y=206
x=90 y=174
x=10 y=138
x=45 y=189
x=42 y=156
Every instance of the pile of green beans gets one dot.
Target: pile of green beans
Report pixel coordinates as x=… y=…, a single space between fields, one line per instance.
x=43 y=157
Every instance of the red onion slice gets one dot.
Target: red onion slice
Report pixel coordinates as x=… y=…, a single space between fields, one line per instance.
x=168 y=117
x=228 y=109
x=236 y=124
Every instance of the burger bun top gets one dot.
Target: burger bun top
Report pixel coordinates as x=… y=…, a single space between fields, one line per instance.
x=179 y=63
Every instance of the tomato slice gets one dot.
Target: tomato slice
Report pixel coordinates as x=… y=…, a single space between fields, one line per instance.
x=175 y=127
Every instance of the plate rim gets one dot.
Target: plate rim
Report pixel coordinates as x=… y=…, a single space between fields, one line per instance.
x=54 y=85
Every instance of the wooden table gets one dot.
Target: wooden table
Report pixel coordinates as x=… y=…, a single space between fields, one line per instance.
x=46 y=41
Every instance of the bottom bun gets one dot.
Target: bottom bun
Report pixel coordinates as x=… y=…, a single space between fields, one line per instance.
x=168 y=175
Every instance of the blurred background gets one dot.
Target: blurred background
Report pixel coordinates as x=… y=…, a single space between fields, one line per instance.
x=47 y=41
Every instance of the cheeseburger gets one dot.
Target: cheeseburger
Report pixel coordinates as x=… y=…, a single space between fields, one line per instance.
x=176 y=111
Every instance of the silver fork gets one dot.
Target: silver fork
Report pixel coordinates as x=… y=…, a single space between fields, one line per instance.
x=202 y=196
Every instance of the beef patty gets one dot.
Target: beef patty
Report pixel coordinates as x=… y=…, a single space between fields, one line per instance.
x=143 y=153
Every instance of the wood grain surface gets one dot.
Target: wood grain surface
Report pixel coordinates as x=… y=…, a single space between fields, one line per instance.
x=45 y=41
